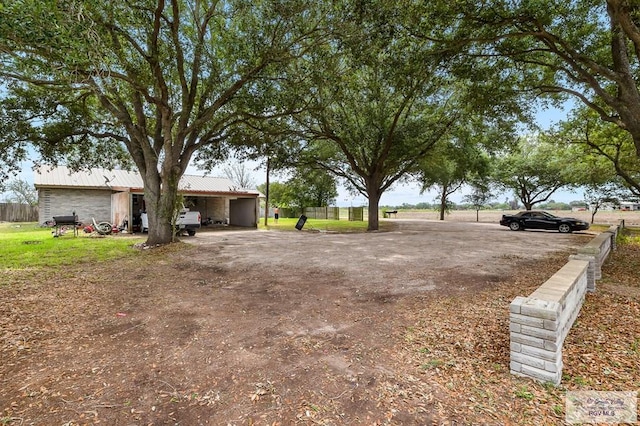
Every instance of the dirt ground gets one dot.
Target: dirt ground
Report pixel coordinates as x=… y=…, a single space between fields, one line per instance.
x=267 y=327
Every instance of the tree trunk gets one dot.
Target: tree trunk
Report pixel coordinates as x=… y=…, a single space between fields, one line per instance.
x=374 y=217
x=635 y=135
x=443 y=202
x=266 y=203
x=159 y=201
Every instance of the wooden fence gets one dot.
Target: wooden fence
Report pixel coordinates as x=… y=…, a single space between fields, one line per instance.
x=356 y=214
x=12 y=212
x=332 y=213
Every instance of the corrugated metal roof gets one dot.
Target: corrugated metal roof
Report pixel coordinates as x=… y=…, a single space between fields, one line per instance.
x=95 y=178
x=208 y=184
x=62 y=177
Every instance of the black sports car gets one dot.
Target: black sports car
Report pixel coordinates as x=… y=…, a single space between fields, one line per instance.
x=542 y=220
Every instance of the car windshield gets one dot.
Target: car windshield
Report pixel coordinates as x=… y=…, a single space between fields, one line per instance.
x=529 y=213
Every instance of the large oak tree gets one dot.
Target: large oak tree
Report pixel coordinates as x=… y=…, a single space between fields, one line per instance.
x=159 y=80
x=378 y=99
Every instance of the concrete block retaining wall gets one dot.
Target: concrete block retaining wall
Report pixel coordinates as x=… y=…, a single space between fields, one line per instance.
x=540 y=322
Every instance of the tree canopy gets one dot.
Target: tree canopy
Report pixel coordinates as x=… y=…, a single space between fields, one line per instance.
x=605 y=151
x=157 y=80
x=364 y=90
x=306 y=187
x=586 y=49
x=21 y=192
x=531 y=171
x=461 y=157
x=379 y=100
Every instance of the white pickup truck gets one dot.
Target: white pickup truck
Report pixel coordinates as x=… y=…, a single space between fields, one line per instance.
x=187 y=221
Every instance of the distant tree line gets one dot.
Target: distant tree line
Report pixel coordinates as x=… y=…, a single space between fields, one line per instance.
x=551 y=205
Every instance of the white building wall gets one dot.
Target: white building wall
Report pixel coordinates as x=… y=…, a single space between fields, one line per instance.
x=243 y=212
x=629 y=206
x=216 y=208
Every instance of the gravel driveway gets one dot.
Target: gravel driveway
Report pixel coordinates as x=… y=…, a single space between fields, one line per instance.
x=418 y=255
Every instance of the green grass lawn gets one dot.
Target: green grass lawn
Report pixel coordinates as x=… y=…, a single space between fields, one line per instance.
x=630 y=235
x=27 y=245
x=288 y=224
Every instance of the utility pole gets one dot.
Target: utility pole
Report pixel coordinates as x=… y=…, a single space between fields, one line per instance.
x=266 y=204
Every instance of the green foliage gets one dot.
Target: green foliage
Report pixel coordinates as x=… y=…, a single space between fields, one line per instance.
x=608 y=167
x=552 y=205
x=369 y=92
x=480 y=195
x=407 y=206
x=426 y=206
x=630 y=237
x=311 y=188
x=451 y=164
x=532 y=171
x=277 y=193
x=560 y=49
x=380 y=99
x=288 y=224
x=523 y=392
x=558 y=410
x=25 y=246
x=88 y=81
x=307 y=187
x=432 y=363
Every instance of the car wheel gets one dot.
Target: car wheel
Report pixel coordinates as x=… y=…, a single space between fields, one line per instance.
x=515 y=226
x=191 y=232
x=564 y=228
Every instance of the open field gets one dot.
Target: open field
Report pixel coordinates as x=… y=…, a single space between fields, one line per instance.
x=631 y=218
x=408 y=326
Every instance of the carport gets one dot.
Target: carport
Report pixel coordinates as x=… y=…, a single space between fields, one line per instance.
x=117 y=196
